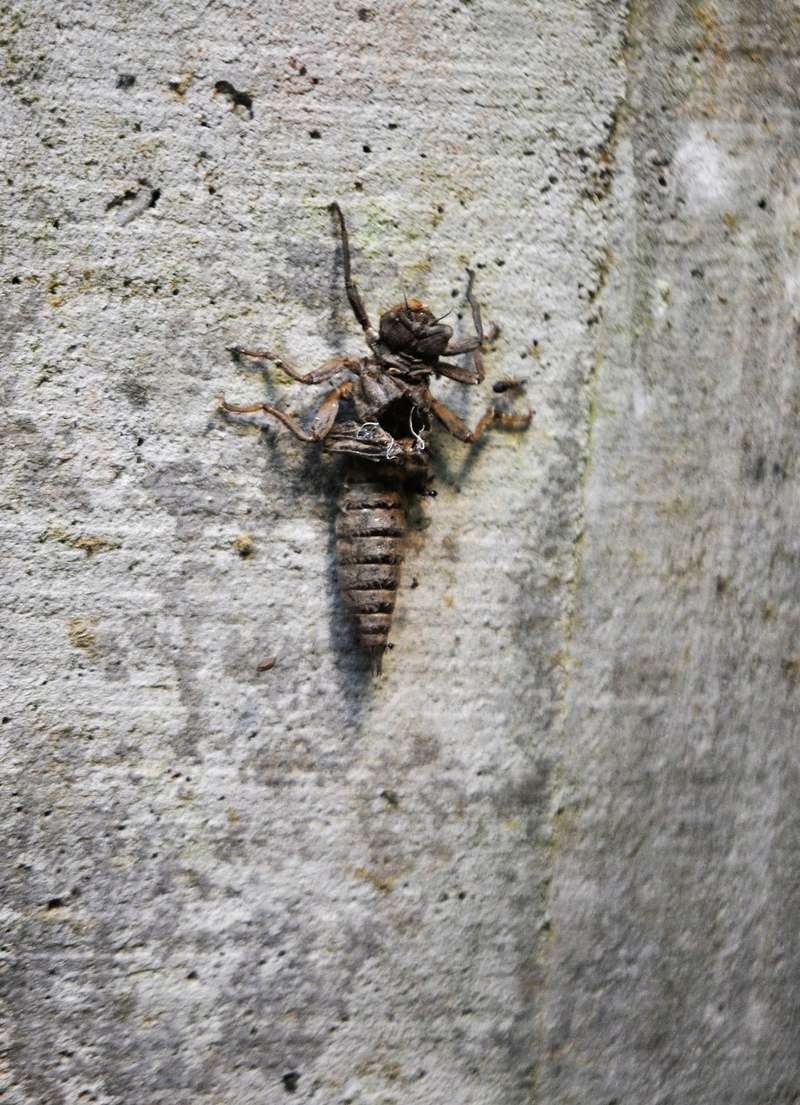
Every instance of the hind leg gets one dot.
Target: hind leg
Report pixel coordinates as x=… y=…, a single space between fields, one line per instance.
x=264 y=408
x=320 y=427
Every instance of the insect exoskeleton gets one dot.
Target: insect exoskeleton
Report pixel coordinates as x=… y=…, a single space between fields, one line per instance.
x=379 y=415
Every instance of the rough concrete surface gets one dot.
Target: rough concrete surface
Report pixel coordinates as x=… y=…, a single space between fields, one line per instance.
x=550 y=856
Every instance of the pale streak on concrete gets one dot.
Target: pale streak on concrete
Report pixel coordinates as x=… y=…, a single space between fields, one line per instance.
x=673 y=969
x=707 y=177
x=552 y=849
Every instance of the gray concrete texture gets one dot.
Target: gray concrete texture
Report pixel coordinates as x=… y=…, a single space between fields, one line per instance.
x=550 y=857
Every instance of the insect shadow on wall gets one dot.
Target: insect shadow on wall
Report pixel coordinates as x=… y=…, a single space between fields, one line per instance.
x=380 y=416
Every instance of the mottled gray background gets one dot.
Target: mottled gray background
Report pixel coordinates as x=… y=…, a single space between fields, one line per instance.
x=551 y=856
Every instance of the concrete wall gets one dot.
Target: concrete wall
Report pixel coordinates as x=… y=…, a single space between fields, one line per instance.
x=550 y=857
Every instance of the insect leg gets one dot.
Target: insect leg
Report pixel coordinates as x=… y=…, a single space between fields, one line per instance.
x=315 y=376
x=353 y=294
x=476 y=309
x=474 y=375
x=466 y=345
x=469 y=345
x=326 y=415
x=454 y=425
x=286 y=419
x=323 y=420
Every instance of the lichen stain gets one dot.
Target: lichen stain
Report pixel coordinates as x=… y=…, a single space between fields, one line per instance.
x=791 y=670
x=180 y=87
x=81 y=635
x=712 y=43
x=88 y=543
x=86 y=282
x=385 y=884
x=244 y=545
x=708 y=18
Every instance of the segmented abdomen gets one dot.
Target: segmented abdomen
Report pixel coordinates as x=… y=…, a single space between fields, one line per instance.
x=370 y=533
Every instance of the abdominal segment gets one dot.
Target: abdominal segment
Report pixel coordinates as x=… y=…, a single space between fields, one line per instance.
x=370 y=536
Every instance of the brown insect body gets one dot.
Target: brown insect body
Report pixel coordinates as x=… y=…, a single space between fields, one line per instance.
x=386 y=438
x=370 y=538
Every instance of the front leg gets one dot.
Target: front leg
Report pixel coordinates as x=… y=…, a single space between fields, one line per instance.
x=353 y=294
x=454 y=425
x=468 y=344
x=476 y=374
x=319 y=375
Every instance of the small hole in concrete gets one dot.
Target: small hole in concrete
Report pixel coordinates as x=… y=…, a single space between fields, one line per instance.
x=290 y=1081
x=237 y=98
x=118 y=201
x=314 y=134
x=126 y=81
x=133 y=202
